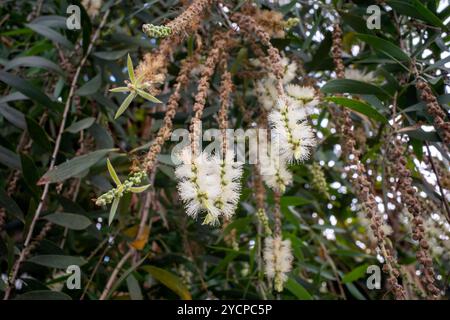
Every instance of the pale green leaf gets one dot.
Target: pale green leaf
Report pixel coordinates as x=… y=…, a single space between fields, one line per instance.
x=125 y=104
x=139 y=189
x=113 y=173
x=119 y=89
x=130 y=69
x=147 y=96
x=113 y=210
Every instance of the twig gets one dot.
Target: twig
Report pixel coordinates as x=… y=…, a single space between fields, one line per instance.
x=115 y=273
x=53 y=159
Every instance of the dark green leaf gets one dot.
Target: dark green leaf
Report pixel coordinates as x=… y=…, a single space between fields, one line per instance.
x=80 y=125
x=43 y=295
x=297 y=289
x=90 y=87
x=170 y=280
x=360 y=107
x=57 y=261
x=352 y=86
x=26 y=88
x=74 y=166
x=69 y=220
x=50 y=34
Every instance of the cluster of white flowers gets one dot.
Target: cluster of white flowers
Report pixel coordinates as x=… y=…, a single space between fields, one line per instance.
x=266 y=88
x=290 y=132
x=209 y=184
x=278 y=260
x=355 y=74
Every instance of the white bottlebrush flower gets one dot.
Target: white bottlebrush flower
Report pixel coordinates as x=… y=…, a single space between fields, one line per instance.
x=230 y=173
x=355 y=74
x=290 y=70
x=266 y=93
x=278 y=260
x=209 y=184
x=290 y=130
x=304 y=96
x=275 y=173
x=199 y=185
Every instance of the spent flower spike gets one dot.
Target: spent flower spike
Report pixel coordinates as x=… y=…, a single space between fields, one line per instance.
x=129 y=185
x=136 y=87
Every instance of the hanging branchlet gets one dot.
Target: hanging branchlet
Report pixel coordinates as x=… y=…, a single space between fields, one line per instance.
x=409 y=198
x=362 y=186
x=434 y=109
x=183 y=24
x=251 y=29
x=172 y=104
x=336 y=51
x=219 y=41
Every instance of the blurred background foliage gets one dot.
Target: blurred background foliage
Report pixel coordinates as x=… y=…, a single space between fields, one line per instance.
x=178 y=257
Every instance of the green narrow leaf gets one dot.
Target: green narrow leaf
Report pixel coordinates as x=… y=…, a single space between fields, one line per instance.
x=130 y=69
x=43 y=295
x=415 y=9
x=139 y=189
x=30 y=173
x=34 y=61
x=81 y=125
x=38 y=134
x=26 y=88
x=113 y=210
x=119 y=89
x=57 y=261
x=125 y=104
x=297 y=289
x=360 y=107
x=113 y=173
x=355 y=274
x=73 y=167
x=133 y=288
x=110 y=55
x=50 y=34
x=170 y=280
x=13 y=115
x=69 y=220
x=90 y=87
x=353 y=86
x=384 y=46
x=10 y=159
x=10 y=205
x=147 y=96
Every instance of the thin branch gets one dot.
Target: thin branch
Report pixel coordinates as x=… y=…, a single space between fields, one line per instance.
x=115 y=273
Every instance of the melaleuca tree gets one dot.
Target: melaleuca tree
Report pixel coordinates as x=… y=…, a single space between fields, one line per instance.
x=327 y=150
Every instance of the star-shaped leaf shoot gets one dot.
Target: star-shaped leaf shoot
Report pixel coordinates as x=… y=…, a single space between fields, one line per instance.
x=129 y=185
x=136 y=87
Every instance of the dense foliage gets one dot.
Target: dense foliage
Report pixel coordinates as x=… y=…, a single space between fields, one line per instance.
x=87 y=177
